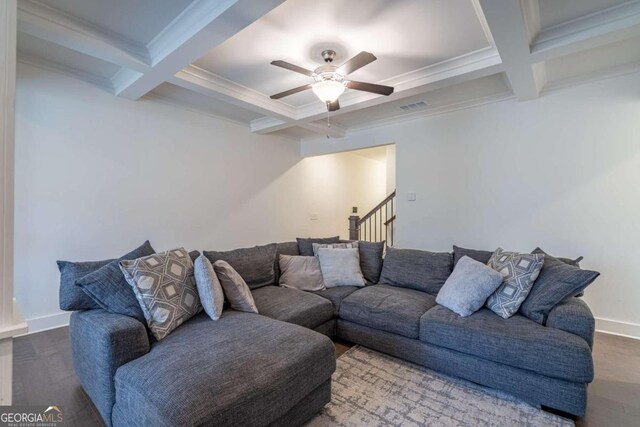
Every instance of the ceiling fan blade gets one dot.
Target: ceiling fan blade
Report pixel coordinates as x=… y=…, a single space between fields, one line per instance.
x=292 y=67
x=290 y=92
x=355 y=63
x=334 y=106
x=370 y=87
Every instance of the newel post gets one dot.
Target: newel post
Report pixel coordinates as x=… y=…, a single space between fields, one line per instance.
x=354 y=228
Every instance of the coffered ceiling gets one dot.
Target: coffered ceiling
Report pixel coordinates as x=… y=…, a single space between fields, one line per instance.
x=214 y=56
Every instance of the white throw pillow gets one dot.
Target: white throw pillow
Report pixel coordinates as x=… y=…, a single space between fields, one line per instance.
x=300 y=272
x=340 y=267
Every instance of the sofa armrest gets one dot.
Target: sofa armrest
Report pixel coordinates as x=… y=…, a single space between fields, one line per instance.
x=101 y=342
x=573 y=316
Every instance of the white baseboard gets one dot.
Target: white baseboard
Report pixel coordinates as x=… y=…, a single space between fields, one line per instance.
x=51 y=321
x=617 y=327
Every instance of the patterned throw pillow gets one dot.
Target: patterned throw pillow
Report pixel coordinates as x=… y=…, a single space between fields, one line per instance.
x=165 y=288
x=346 y=245
x=235 y=288
x=519 y=272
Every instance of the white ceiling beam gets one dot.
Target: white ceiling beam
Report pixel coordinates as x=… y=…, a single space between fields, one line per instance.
x=46 y=23
x=458 y=70
x=202 y=26
x=510 y=27
x=597 y=29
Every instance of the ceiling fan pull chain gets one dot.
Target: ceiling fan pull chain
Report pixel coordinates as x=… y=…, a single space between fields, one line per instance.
x=328 y=121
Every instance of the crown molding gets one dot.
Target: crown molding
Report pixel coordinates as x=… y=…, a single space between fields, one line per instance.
x=47 y=23
x=610 y=73
x=151 y=96
x=417 y=115
x=603 y=27
x=210 y=84
x=101 y=82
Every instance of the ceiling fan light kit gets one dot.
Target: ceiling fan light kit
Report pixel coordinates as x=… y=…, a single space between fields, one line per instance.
x=329 y=80
x=328 y=90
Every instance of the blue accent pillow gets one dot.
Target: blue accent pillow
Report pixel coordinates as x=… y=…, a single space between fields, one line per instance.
x=71 y=296
x=110 y=290
x=557 y=282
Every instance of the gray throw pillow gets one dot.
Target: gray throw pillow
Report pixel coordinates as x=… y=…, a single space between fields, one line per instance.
x=341 y=245
x=415 y=269
x=301 y=272
x=340 y=267
x=165 y=288
x=256 y=265
x=209 y=287
x=72 y=297
x=475 y=254
x=235 y=288
x=557 y=282
x=468 y=287
x=305 y=245
x=520 y=272
x=284 y=248
x=371 y=260
x=110 y=290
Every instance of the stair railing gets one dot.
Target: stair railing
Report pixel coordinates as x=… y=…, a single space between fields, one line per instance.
x=377 y=225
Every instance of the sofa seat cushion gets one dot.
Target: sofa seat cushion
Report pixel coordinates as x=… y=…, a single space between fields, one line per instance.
x=293 y=306
x=517 y=342
x=242 y=369
x=387 y=308
x=336 y=295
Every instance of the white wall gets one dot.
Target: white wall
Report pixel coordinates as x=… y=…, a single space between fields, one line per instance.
x=561 y=172
x=96 y=175
x=391 y=168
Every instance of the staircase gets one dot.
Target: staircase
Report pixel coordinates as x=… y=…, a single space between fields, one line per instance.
x=376 y=226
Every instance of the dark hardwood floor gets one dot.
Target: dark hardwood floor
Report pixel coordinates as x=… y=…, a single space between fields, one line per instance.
x=43 y=375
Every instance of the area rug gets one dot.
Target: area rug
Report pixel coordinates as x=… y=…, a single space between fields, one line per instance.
x=373 y=389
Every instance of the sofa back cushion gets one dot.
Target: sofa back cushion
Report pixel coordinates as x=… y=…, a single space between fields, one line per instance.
x=415 y=269
x=110 y=290
x=305 y=245
x=558 y=281
x=256 y=265
x=475 y=254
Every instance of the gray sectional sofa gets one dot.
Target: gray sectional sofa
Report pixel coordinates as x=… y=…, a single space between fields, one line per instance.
x=274 y=368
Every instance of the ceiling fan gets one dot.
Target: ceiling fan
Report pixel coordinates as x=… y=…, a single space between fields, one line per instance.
x=329 y=80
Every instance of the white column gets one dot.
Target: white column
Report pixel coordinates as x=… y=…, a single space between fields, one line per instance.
x=10 y=322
